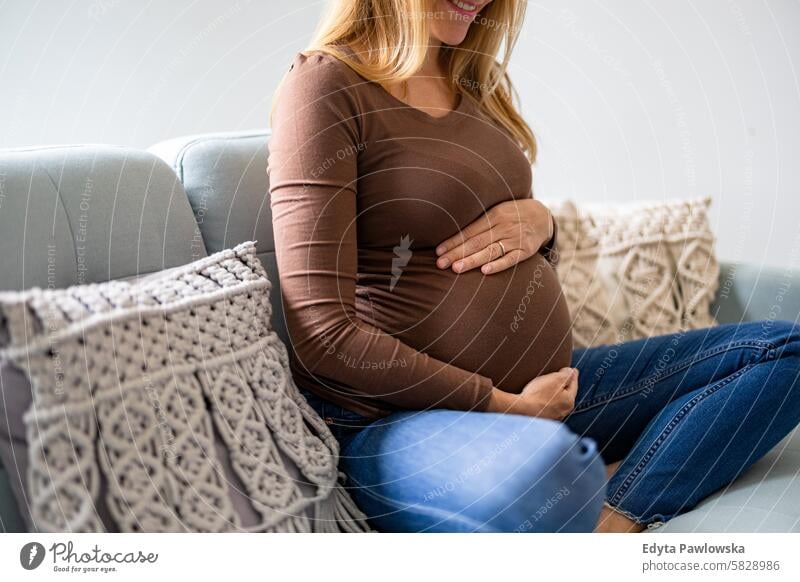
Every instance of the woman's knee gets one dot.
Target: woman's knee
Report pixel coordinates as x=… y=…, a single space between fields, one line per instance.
x=784 y=335
x=486 y=472
x=558 y=485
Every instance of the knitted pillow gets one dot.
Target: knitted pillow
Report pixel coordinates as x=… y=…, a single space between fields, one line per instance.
x=633 y=271
x=143 y=392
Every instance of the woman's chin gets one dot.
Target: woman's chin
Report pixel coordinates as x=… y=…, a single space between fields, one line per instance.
x=451 y=35
x=450 y=25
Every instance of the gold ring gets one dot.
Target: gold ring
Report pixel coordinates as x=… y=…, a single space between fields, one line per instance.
x=502 y=248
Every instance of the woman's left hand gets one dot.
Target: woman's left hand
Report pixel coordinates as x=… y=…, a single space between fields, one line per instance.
x=505 y=235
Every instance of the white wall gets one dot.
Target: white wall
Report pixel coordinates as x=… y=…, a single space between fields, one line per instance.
x=631 y=99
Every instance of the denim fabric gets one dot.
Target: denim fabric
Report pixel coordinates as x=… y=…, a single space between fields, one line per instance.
x=449 y=471
x=341 y=422
x=685 y=414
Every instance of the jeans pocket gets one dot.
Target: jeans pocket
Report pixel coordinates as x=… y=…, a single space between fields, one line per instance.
x=340 y=421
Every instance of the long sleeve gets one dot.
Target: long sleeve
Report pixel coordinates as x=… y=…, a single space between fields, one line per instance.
x=313 y=168
x=550 y=248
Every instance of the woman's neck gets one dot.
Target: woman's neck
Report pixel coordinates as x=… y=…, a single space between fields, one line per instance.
x=433 y=61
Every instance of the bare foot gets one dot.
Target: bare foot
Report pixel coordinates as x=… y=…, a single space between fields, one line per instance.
x=610 y=469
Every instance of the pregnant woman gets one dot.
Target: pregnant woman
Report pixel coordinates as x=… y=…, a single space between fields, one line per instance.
x=428 y=326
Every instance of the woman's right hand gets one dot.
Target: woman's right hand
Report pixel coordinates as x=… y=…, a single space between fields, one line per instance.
x=547 y=396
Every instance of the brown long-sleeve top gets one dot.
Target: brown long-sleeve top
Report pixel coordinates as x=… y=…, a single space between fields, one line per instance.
x=363 y=188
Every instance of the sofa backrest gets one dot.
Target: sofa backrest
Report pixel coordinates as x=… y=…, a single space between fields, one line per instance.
x=84 y=214
x=225 y=178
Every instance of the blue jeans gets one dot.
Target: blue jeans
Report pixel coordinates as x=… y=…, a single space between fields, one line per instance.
x=685 y=414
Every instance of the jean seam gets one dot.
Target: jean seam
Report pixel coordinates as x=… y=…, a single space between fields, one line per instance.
x=634 y=518
x=673 y=423
x=765 y=347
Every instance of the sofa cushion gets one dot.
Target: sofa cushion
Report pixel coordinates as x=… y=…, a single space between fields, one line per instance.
x=636 y=270
x=750 y=292
x=225 y=177
x=138 y=388
x=765 y=499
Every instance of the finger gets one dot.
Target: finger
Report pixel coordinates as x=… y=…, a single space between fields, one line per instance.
x=572 y=386
x=570 y=394
x=561 y=381
x=475 y=228
x=507 y=261
x=469 y=247
x=566 y=375
x=474 y=261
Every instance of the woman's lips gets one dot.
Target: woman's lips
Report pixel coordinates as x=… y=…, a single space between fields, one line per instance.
x=466 y=8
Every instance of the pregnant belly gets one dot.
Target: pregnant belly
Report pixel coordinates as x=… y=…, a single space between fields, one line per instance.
x=509 y=326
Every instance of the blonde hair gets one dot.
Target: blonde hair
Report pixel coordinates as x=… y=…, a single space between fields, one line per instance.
x=394 y=36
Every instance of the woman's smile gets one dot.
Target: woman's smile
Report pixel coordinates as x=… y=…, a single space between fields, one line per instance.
x=466 y=8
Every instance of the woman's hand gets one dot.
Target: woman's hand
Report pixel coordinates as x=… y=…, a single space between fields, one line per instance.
x=547 y=396
x=507 y=234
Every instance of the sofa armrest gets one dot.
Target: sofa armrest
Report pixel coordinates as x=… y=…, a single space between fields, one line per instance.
x=750 y=293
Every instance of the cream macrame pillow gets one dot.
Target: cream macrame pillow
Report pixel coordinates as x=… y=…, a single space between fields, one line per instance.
x=144 y=392
x=633 y=271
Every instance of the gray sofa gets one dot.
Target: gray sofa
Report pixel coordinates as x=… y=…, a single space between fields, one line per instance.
x=81 y=214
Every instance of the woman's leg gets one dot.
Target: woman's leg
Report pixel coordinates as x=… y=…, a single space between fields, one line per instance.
x=687 y=413
x=448 y=471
